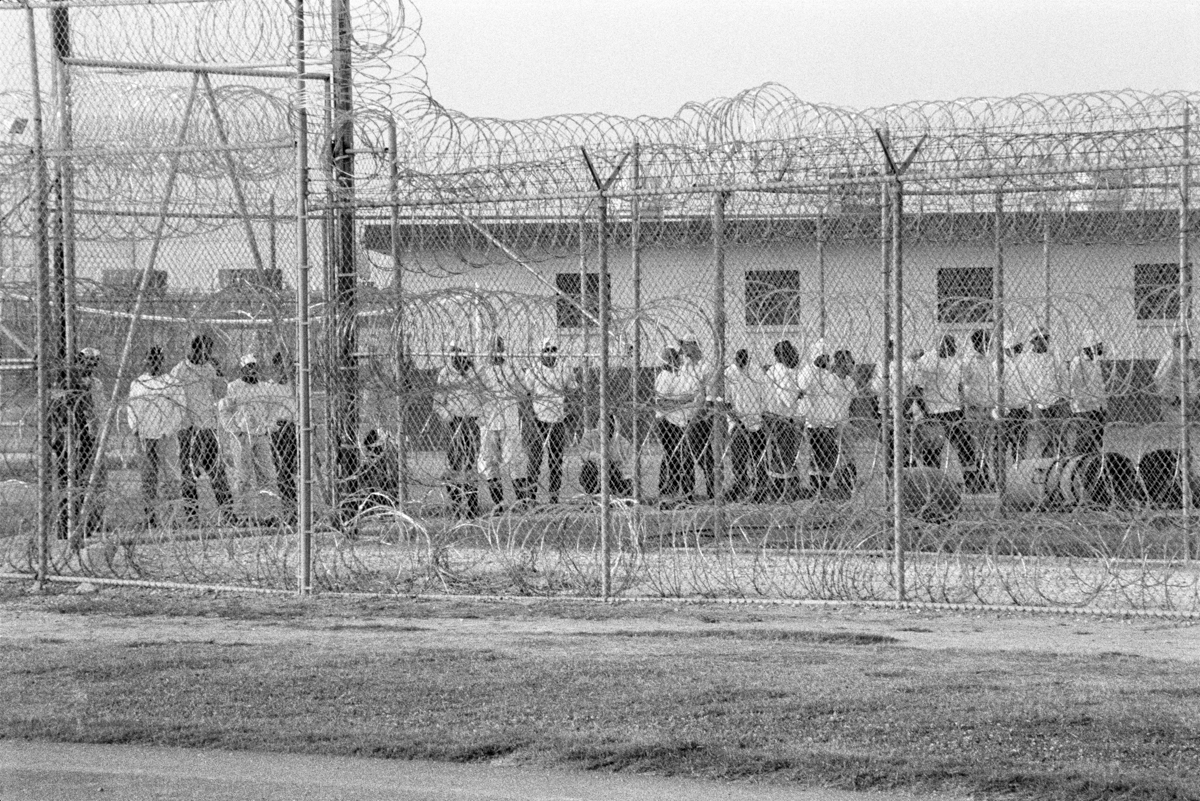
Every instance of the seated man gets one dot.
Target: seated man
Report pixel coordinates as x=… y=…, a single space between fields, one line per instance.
x=619 y=454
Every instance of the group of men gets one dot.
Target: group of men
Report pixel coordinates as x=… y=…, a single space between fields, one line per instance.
x=481 y=408
x=950 y=397
x=182 y=411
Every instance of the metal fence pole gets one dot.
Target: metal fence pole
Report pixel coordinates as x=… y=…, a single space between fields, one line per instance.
x=303 y=366
x=605 y=429
x=46 y=505
x=999 y=458
x=1185 y=336
x=635 y=247
x=886 y=434
x=718 y=387
x=345 y=374
x=824 y=312
x=898 y=421
x=398 y=292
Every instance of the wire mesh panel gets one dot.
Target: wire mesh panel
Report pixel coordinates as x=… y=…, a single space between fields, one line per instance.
x=272 y=316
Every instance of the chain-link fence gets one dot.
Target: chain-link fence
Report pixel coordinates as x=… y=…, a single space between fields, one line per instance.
x=272 y=317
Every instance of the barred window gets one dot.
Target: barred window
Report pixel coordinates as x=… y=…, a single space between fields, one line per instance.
x=1156 y=291
x=773 y=297
x=964 y=295
x=570 y=299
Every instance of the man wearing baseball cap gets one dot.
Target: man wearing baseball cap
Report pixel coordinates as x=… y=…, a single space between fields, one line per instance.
x=247 y=412
x=548 y=383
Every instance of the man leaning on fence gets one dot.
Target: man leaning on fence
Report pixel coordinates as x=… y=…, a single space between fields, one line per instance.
x=457 y=403
x=155 y=414
x=200 y=378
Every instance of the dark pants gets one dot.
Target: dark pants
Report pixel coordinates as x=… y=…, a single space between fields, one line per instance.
x=672 y=477
x=462 y=455
x=700 y=452
x=199 y=453
x=589 y=480
x=285 y=454
x=1015 y=430
x=959 y=436
x=151 y=464
x=551 y=437
x=1089 y=432
x=823 y=447
x=748 y=455
x=85 y=452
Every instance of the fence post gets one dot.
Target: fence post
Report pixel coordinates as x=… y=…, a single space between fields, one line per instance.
x=46 y=504
x=1185 y=337
x=886 y=434
x=718 y=387
x=345 y=283
x=605 y=432
x=899 y=427
x=402 y=393
x=824 y=312
x=999 y=458
x=635 y=247
x=303 y=366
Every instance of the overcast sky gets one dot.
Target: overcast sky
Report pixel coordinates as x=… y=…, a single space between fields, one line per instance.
x=529 y=58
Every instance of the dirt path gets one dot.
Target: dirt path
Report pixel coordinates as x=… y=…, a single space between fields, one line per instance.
x=54 y=772
x=481 y=626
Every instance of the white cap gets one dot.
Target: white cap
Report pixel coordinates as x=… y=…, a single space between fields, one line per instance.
x=249 y=358
x=549 y=345
x=90 y=353
x=1090 y=338
x=455 y=347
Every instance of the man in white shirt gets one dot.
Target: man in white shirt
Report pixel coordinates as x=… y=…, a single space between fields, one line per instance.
x=199 y=377
x=823 y=400
x=284 y=442
x=1044 y=382
x=745 y=393
x=1018 y=400
x=978 y=370
x=548 y=383
x=155 y=415
x=458 y=401
x=248 y=413
x=699 y=428
x=782 y=423
x=501 y=447
x=675 y=402
x=941 y=375
x=1088 y=396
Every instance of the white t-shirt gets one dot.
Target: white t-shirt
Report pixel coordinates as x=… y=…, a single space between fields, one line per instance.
x=940 y=379
x=502 y=391
x=248 y=408
x=780 y=390
x=746 y=392
x=1088 y=393
x=199 y=383
x=548 y=388
x=824 y=397
x=458 y=394
x=677 y=392
x=156 y=405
